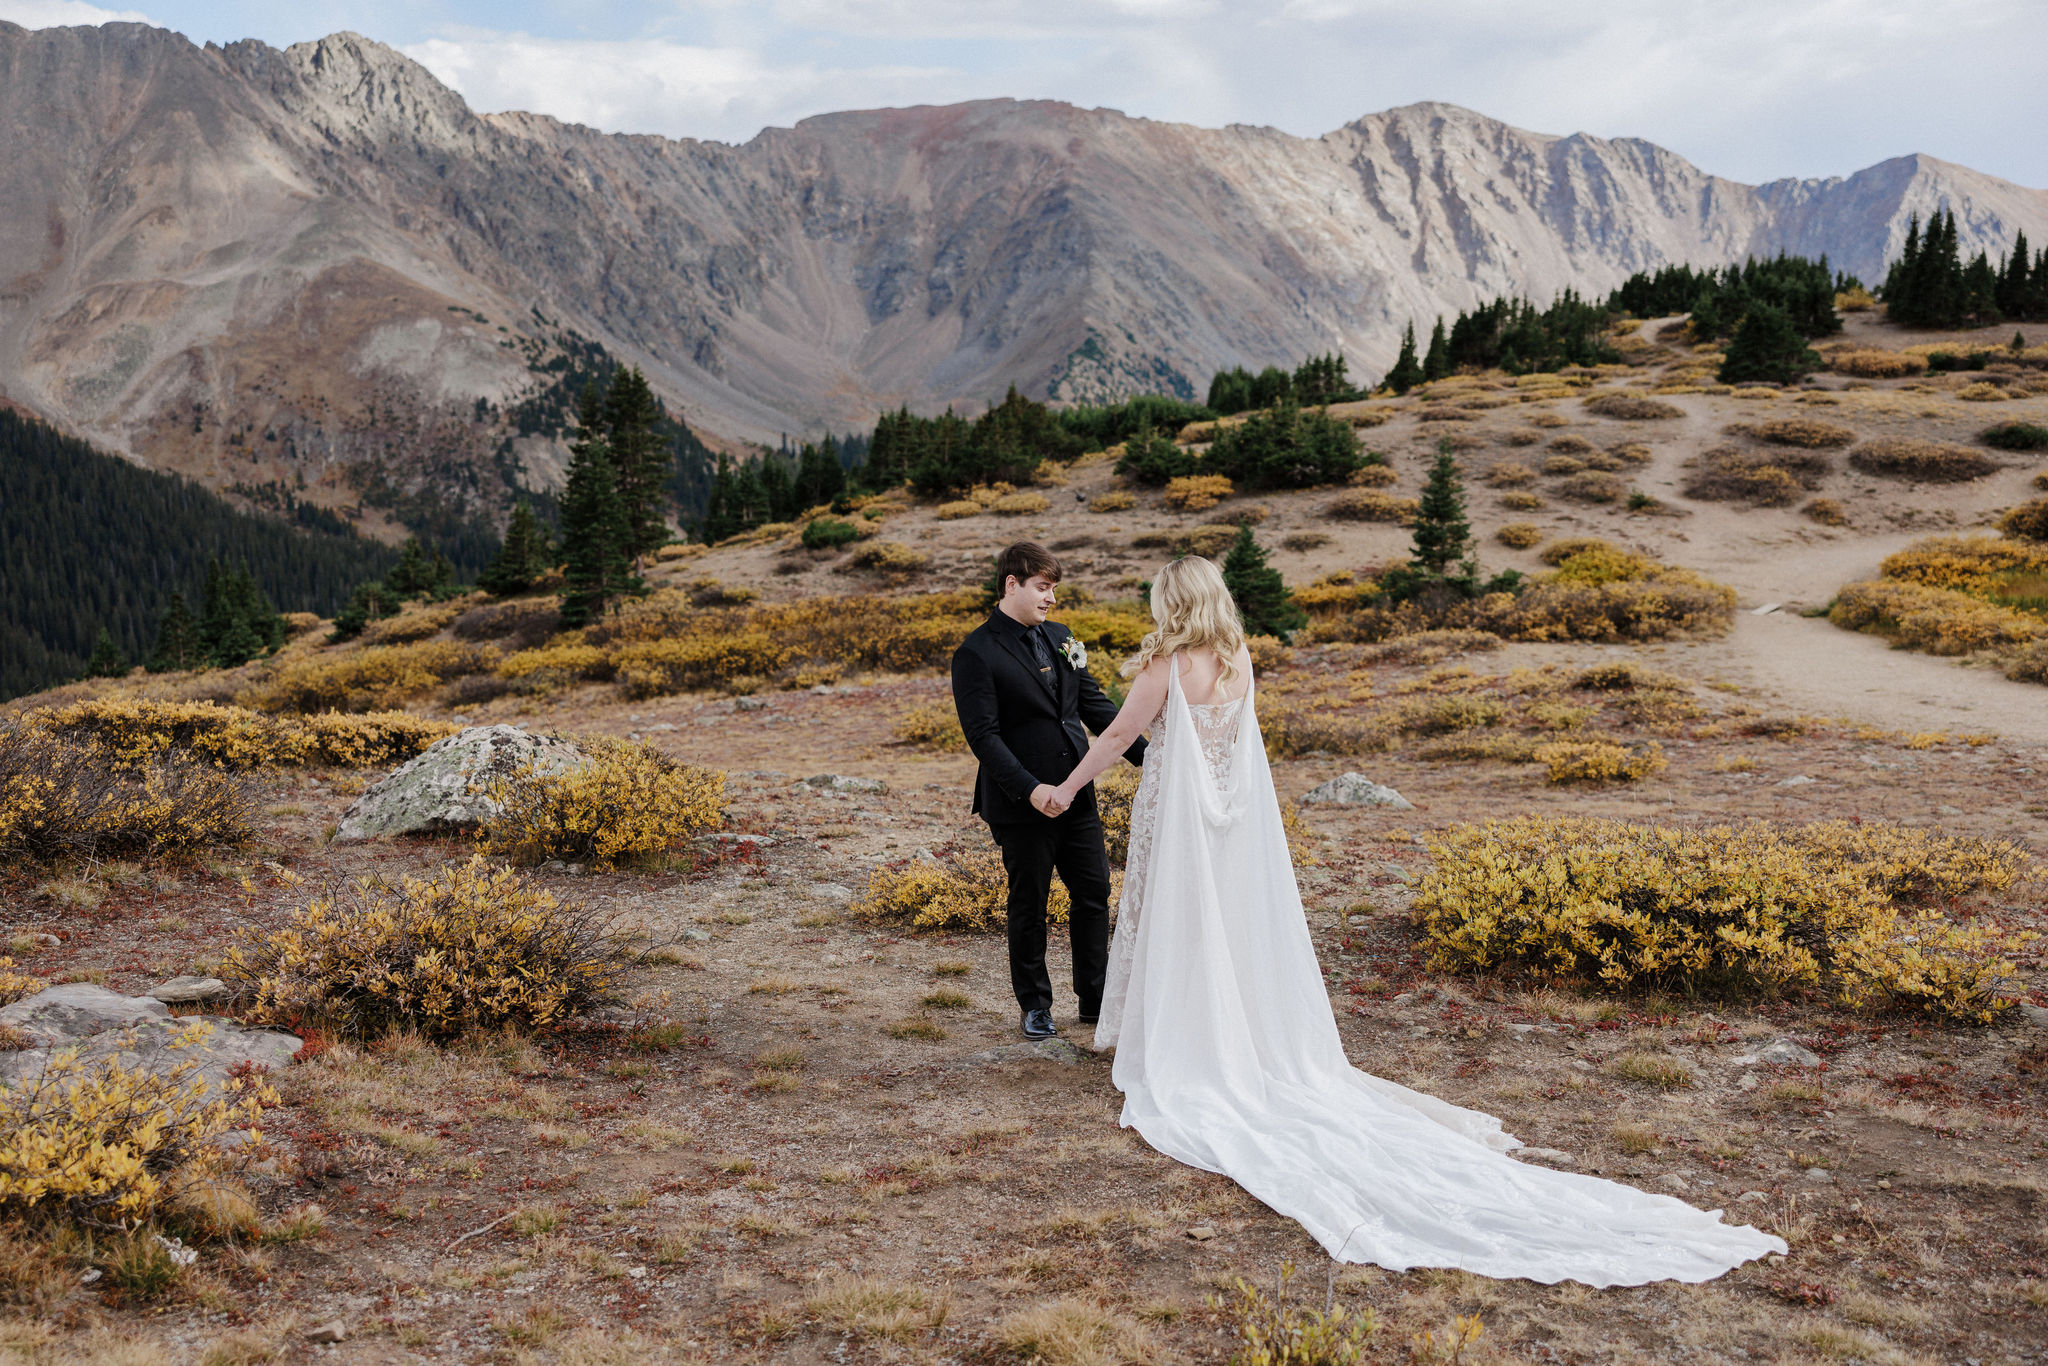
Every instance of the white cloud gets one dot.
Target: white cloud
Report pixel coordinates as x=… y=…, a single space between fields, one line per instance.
x=60 y=13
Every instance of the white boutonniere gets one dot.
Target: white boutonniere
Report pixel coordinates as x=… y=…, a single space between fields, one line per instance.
x=1076 y=653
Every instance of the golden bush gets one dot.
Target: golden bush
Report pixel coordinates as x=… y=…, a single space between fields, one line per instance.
x=1114 y=793
x=1632 y=407
x=1428 y=647
x=1451 y=712
x=1630 y=453
x=1522 y=502
x=1724 y=910
x=630 y=801
x=1928 y=462
x=1372 y=477
x=1197 y=492
x=1520 y=436
x=1571 y=547
x=1106 y=628
x=698 y=661
x=932 y=725
x=1981 y=565
x=1549 y=420
x=1206 y=541
x=1371 y=505
x=1441 y=413
x=1019 y=505
x=1571 y=444
x=2027 y=522
x=1558 y=465
x=1673 y=602
x=376 y=678
x=1807 y=432
x=61 y=796
x=416 y=621
x=679 y=550
x=1855 y=299
x=108 y=1145
x=1601 y=563
x=132 y=733
x=473 y=948
x=1116 y=500
x=1519 y=535
x=1598 y=761
x=1982 y=392
x=555 y=666
x=889 y=558
x=1731 y=474
x=1593 y=486
x=1826 y=511
x=15 y=985
x=2029 y=663
x=955 y=511
x=1510 y=474
x=1939 y=621
x=968 y=892
x=1871 y=364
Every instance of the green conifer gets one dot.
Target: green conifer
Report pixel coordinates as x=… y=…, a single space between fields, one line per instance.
x=1263 y=601
x=820 y=478
x=107 y=660
x=522 y=556
x=597 y=568
x=641 y=461
x=177 y=638
x=1436 y=362
x=1407 y=372
x=413 y=575
x=1767 y=346
x=1442 y=535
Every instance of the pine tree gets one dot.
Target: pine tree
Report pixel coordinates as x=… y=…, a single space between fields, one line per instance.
x=721 y=506
x=1437 y=362
x=413 y=575
x=597 y=568
x=226 y=633
x=1407 y=373
x=1767 y=346
x=1442 y=535
x=177 y=638
x=820 y=478
x=641 y=461
x=1263 y=601
x=107 y=660
x=522 y=556
x=778 y=489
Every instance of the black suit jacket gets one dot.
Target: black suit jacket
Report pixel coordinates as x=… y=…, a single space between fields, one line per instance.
x=1023 y=732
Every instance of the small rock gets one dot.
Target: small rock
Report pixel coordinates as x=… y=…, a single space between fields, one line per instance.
x=1750 y=1197
x=696 y=936
x=88 y=1276
x=1820 y=1175
x=1555 y=1155
x=1780 y=1052
x=1201 y=1233
x=329 y=1332
x=663 y=726
x=822 y=689
x=139 y=1029
x=638 y=1273
x=1673 y=1181
x=1797 y=780
x=2034 y=1015
x=1748 y=1082
x=750 y=704
x=1418 y=1031
x=185 y=990
x=832 y=891
x=48 y=941
x=1582 y=1064
x=1355 y=789
x=839 y=782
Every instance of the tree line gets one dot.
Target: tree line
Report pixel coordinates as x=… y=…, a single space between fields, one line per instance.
x=1930 y=285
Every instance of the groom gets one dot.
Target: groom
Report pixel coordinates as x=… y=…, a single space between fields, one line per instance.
x=1022 y=688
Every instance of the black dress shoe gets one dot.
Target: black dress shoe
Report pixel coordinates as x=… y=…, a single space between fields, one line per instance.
x=1038 y=1024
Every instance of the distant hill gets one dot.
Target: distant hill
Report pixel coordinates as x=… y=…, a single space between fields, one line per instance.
x=88 y=540
x=260 y=266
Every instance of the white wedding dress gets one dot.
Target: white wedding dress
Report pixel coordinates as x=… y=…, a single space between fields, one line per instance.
x=1229 y=1060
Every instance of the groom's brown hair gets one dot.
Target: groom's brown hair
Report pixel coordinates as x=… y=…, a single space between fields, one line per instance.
x=1023 y=560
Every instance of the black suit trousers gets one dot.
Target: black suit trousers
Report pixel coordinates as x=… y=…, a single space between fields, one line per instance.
x=1070 y=843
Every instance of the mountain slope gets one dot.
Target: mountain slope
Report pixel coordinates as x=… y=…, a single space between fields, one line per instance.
x=257 y=265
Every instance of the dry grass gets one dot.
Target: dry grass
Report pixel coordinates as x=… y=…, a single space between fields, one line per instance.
x=1927 y=462
x=1632 y=408
x=1074 y=1332
x=871 y=1306
x=1805 y=432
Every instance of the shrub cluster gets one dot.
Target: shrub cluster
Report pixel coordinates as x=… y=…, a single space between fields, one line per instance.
x=471 y=948
x=1927 y=462
x=1794 y=431
x=1598 y=761
x=1871 y=364
x=1826 y=511
x=108 y=1145
x=1593 y=486
x=1372 y=505
x=1939 y=621
x=1632 y=407
x=2016 y=436
x=134 y=733
x=1982 y=565
x=968 y=892
x=1285 y=448
x=2027 y=522
x=1727 y=910
x=376 y=678
x=630 y=801
x=61 y=796
x=1519 y=535
x=1197 y=492
x=932 y=725
x=1766 y=479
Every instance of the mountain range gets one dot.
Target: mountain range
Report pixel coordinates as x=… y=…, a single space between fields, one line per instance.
x=282 y=269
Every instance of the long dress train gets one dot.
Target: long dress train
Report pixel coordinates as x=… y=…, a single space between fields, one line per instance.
x=1229 y=1059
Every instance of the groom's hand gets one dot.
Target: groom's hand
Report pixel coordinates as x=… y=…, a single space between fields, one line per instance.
x=1046 y=798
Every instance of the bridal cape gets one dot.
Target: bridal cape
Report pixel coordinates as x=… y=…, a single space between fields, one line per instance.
x=1229 y=1060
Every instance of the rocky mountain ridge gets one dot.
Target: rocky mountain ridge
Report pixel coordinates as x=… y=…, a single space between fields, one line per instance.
x=268 y=266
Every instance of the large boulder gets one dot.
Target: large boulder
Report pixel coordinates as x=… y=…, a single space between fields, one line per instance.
x=138 y=1030
x=448 y=786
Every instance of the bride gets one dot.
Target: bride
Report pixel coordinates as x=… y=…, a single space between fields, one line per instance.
x=1226 y=1049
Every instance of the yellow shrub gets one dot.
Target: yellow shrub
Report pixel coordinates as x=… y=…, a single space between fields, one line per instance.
x=1114 y=792
x=61 y=796
x=108 y=1146
x=1519 y=535
x=556 y=665
x=1523 y=502
x=1116 y=500
x=1372 y=477
x=1207 y=541
x=1936 y=620
x=1563 y=464
x=1019 y=505
x=1632 y=407
x=1602 y=564
x=1826 y=511
x=889 y=558
x=971 y=892
x=377 y=678
x=1106 y=628
x=1598 y=761
x=1855 y=299
x=1197 y=492
x=2027 y=522
x=954 y=511
x=932 y=725
x=1877 y=364
x=1982 y=393
x=471 y=948
x=1371 y=505
x=1671 y=602
x=1931 y=462
x=630 y=801
x=1510 y=474
x=1593 y=486
x=133 y=733
x=416 y=621
x=1966 y=564
x=1721 y=910
x=15 y=985
x=679 y=550
x=668 y=666
x=1795 y=431
x=2029 y=663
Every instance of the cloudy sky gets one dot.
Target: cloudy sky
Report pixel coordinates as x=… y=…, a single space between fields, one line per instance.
x=1753 y=89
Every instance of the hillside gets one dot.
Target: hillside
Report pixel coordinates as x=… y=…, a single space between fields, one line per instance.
x=262 y=266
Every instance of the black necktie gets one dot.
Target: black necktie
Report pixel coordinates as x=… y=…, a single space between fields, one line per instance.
x=1042 y=652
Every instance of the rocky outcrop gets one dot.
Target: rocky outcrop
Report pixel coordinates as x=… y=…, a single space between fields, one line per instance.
x=448 y=786
x=1355 y=789
x=199 y=243
x=138 y=1031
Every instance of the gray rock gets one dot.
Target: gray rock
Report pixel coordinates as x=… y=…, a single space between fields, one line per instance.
x=1750 y=1197
x=696 y=936
x=336 y=1331
x=2034 y=1015
x=1797 y=780
x=1355 y=789
x=136 y=1030
x=832 y=891
x=839 y=782
x=750 y=704
x=448 y=786
x=1673 y=1181
x=1035 y=1050
x=1555 y=1156
x=187 y=990
x=1820 y=1175
x=1780 y=1052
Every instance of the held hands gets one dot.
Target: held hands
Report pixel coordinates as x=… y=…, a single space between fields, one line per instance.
x=1050 y=801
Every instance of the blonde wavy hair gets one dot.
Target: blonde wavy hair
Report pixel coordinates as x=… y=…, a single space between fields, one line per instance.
x=1194 y=611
